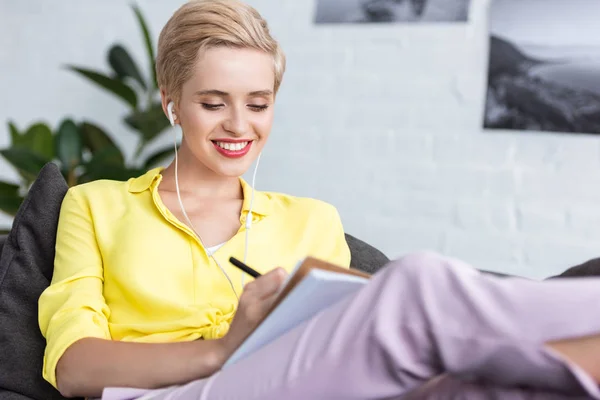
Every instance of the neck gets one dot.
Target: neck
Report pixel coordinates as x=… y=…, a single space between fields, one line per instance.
x=199 y=181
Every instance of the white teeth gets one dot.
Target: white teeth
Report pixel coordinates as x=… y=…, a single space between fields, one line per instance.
x=232 y=146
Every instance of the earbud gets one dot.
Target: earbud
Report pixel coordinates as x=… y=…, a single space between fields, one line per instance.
x=170 y=112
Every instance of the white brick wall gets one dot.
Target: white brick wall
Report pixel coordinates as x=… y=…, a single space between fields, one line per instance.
x=382 y=121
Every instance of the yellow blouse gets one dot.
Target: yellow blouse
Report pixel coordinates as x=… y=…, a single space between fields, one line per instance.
x=127 y=269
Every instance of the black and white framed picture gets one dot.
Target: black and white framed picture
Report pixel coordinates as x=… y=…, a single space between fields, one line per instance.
x=391 y=11
x=544 y=66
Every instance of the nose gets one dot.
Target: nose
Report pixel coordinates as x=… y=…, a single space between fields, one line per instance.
x=236 y=122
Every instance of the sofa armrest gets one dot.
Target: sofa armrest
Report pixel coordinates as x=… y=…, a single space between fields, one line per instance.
x=588 y=268
x=365 y=257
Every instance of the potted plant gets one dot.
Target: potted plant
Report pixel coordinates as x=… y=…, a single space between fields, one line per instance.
x=83 y=150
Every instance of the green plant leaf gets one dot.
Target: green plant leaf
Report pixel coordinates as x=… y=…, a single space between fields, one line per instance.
x=8 y=189
x=107 y=169
x=148 y=122
x=148 y=41
x=106 y=163
x=25 y=161
x=94 y=138
x=155 y=158
x=38 y=139
x=123 y=65
x=110 y=155
x=111 y=84
x=69 y=145
x=14 y=132
x=10 y=200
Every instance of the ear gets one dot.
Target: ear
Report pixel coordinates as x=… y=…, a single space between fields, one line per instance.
x=165 y=100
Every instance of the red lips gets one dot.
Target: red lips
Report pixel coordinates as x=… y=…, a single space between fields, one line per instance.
x=233 y=150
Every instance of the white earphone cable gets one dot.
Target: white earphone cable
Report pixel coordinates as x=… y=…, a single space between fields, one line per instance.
x=249 y=215
x=192 y=225
x=248 y=223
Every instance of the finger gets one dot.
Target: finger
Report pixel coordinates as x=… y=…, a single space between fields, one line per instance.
x=276 y=278
x=268 y=301
x=267 y=284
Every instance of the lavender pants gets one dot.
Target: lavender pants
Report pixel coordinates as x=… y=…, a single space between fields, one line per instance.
x=424 y=327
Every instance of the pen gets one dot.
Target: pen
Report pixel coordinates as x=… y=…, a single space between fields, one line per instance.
x=244 y=267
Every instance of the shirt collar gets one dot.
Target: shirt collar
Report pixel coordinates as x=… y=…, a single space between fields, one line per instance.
x=150 y=179
x=144 y=182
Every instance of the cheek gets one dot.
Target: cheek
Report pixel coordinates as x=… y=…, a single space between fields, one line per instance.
x=202 y=122
x=263 y=124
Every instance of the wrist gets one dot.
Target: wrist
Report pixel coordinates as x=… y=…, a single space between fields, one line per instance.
x=227 y=346
x=210 y=355
x=221 y=353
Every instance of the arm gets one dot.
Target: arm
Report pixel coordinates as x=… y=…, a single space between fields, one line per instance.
x=80 y=358
x=91 y=364
x=337 y=248
x=325 y=229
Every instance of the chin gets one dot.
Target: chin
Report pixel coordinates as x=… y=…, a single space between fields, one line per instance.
x=231 y=171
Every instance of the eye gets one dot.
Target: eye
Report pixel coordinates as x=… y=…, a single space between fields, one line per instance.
x=258 y=108
x=212 y=107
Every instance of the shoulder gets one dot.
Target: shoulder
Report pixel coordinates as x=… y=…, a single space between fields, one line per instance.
x=313 y=226
x=104 y=198
x=301 y=206
x=103 y=191
x=99 y=190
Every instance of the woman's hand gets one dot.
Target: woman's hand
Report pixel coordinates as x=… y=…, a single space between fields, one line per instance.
x=256 y=300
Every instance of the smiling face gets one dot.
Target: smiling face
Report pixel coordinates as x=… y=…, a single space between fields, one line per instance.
x=226 y=109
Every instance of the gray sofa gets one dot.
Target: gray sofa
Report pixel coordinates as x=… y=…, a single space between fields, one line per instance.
x=26 y=267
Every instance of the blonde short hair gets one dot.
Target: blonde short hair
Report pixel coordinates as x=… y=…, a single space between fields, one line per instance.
x=202 y=24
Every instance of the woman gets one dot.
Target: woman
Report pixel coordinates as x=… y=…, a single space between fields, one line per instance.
x=141 y=299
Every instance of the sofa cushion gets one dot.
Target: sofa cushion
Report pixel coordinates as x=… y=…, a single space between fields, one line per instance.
x=364 y=256
x=26 y=266
x=6 y=395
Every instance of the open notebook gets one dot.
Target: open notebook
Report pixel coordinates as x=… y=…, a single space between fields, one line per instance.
x=313 y=286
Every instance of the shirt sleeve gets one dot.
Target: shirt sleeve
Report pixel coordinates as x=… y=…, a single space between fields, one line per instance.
x=339 y=253
x=73 y=306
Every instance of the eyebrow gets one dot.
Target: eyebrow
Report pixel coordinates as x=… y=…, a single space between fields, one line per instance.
x=215 y=92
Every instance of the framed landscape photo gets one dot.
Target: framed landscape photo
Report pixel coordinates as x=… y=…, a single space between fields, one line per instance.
x=544 y=66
